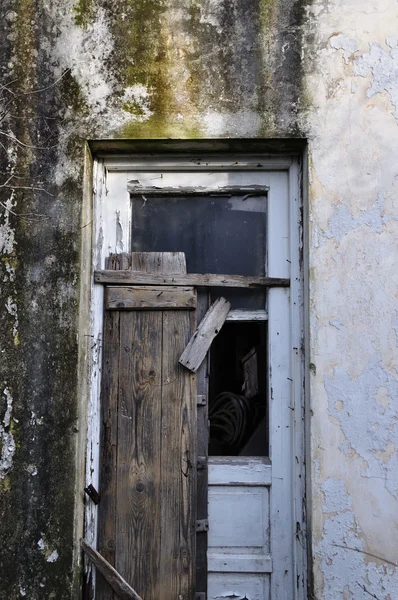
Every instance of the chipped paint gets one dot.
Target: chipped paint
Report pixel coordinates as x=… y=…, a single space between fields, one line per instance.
x=6 y=437
x=382 y=67
x=327 y=71
x=351 y=75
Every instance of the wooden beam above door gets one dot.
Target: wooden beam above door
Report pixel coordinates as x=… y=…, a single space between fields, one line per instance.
x=128 y=277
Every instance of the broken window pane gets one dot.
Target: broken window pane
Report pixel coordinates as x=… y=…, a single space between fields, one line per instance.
x=218 y=235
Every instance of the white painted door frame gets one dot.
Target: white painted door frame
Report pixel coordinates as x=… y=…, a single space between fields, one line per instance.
x=111 y=233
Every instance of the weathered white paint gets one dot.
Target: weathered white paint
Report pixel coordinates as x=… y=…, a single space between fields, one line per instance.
x=239 y=527
x=247 y=315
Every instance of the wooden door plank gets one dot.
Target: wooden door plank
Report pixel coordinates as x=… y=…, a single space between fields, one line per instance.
x=149 y=297
x=127 y=277
x=115 y=580
x=158 y=262
x=108 y=473
x=138 y=455
x=155 y=462
x=178 y=468
x=199 y=344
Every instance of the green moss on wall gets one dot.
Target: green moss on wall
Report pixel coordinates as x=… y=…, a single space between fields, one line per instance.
x=83 y=11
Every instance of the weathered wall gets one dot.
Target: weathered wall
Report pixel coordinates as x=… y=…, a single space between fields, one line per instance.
x=325 y=70
x=351 y=76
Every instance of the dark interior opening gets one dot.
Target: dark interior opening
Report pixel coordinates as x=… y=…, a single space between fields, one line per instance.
x=238 y=412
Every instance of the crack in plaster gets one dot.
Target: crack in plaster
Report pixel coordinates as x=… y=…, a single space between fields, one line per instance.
x=346 y=570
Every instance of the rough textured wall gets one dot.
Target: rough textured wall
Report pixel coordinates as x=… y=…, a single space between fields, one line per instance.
x=77 y=69
x=72 y=70
x=352 y=79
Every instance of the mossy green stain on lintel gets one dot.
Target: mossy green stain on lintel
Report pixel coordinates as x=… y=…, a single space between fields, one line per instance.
x=160 y=128
x=144 y=56
x=133 y=107
x=268 y=12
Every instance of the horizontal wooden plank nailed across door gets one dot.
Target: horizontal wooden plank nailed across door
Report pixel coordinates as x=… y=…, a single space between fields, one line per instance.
x=149 y=297
x=127 y=277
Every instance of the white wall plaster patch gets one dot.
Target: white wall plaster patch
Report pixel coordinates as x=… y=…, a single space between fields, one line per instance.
x=7 y=234
x=240 y=124
x=41 y=544
x=367 y=425
x=382 y=67
x=336 y=497
x=349 y=572
x=342 y=42
x=6 y=437
x=336 y=323
x=52 y=557
x=12 y=309
x=342 y=221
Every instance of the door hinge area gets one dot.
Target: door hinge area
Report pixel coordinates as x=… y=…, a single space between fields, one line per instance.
x=202 y=525
x=201 y=400
x=92 y=493
x=201 y=463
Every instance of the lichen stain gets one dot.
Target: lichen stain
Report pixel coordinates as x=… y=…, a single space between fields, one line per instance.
x=148 y=66
x=83 y=11
x=6 y=437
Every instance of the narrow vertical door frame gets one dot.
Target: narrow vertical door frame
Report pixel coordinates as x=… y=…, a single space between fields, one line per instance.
x=111 y=233
x=286 y=392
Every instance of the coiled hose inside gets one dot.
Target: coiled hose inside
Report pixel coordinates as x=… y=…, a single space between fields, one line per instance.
x=231 y=420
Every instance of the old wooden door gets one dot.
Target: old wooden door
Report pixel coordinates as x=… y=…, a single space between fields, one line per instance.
x=237 y=215
x=147 y=509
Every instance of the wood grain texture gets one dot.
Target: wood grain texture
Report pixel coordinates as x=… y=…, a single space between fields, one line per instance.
x=178 y=469
x=109 y=437
x=149 y=297
x=158 y=262
x=219 y=192
x=209 y=327
x=139 y=451
x=151 y=514
x=113 y=578
x=127 y=277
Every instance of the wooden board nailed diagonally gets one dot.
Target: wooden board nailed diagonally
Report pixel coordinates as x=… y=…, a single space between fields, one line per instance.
x=200 y=342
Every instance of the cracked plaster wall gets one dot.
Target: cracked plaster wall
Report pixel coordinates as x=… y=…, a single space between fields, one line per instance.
x=352 y=126
x=325 y=70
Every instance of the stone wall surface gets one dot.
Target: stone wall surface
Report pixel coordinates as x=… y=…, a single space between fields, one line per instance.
x=325 y=70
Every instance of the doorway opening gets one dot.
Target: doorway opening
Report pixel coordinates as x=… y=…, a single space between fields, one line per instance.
x=238 y=412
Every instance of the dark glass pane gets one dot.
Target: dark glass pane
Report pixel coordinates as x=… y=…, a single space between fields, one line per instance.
x=217 y=234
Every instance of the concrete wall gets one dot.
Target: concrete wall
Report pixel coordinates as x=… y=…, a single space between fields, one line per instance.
x=324 y=70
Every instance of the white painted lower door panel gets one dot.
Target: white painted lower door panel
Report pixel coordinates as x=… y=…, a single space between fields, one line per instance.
x=239 y=561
